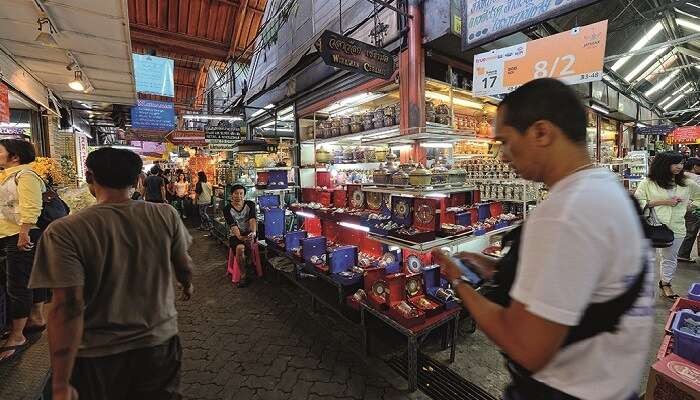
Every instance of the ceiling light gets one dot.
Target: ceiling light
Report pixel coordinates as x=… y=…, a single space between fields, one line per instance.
x=305 y=214
x=212 y=117
x=644 y=64
x=687 y=24
x=45 y=35
x=77 y=84
x=656 y=66
x=685 y=13
x=14 y=125
x=691 y=4
x=455 y=100
x=436 y=145
x=354 y=226
x=664 y=82
x=641 y=43
x=599 y=108
x=267 y=107
x=676 y=100
x=691 y=119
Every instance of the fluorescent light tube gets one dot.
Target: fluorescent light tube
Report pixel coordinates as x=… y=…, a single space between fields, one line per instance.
x=676 y=100
x=14 y=125
x=641 y=43
x=456 y=100
x=267 y=107
x=633 y=74
x=599 y=108
x=354 y=226
x=687 y=24
x=212 y=117
x=436 y=145
x=305 y=214
x=664 y=82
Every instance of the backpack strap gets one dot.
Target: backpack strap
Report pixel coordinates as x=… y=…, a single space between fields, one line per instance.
x=43 y=182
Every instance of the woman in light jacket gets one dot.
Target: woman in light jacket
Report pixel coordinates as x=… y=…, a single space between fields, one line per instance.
x=669 y=193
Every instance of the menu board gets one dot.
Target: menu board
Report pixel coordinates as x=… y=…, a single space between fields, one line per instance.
x=154 y=75
x=4 y=103
x=151 y=114
x=575 y=56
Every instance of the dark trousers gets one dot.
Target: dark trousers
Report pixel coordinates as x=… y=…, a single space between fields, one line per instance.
x=151 y=373
x=692 y=226
x=18 y=268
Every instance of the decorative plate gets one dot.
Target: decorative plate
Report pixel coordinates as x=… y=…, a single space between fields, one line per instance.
x=374 y=200
x=425 y=214
x=414 y=264
x=389 y=258
x=380 y=288
x=402 y=209
x=358 y=199
x=413 y=286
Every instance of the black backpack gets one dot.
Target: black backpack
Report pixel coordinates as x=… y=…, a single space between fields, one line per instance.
x=52 y=206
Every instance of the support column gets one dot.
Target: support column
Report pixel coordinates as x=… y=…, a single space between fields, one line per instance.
x=412 y=81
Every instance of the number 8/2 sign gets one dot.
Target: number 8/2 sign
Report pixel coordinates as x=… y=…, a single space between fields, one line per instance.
x=574 y=56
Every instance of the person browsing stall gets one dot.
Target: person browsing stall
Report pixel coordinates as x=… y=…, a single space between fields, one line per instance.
x=243 y=225
x=692 y=222
x=669 y=193
x=578 y=266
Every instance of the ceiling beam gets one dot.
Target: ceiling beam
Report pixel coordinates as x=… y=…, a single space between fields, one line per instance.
x=201 y=86
x=178 y=43
x=651 y=48
x=238 y=29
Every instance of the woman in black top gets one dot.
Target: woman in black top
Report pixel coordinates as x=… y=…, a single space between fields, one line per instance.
x=242 y=223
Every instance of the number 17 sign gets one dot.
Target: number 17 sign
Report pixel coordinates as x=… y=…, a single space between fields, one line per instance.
x=574 y=56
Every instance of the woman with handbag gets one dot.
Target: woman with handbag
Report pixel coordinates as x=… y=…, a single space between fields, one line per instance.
x=666 y=193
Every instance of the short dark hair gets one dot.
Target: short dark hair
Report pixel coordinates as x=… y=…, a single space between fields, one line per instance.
x=238 y=186
x=21 y=149
x=202 y=176
x=549 y=100
x=660 y=169
x=114 y=168
x=691 y=162
x=155 y=170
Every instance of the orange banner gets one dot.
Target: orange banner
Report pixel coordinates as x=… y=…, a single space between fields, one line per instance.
x=684 y=135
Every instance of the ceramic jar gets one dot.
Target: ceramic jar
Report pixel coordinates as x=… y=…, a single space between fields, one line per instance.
x=322 y=156
x=420 y=177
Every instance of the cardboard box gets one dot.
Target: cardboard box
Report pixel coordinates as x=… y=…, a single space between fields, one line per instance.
x=673 y=378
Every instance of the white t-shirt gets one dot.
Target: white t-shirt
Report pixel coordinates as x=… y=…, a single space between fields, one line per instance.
x=582 y=245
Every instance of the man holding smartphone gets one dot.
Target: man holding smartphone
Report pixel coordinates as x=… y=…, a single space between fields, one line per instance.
x=578 y=318
x=243 y=225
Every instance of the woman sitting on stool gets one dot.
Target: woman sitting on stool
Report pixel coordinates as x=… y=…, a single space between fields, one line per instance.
x=240 y=217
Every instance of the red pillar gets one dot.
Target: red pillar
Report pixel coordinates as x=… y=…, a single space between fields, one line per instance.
x=412 y=82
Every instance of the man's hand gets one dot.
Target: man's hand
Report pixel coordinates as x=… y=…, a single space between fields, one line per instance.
x=448 y=266
x=64 y=392
x=482 y=265
x=187 y=292
x=24 y=242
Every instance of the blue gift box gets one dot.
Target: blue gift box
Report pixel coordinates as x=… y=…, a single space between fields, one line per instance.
x=463 y=218
x=432 y=281
x=404 y=218
x=274 y=222
x=292 y=240
x=269 y=200
x=342 y=259
x=394 y=267
x=278 y=179
x=313 y=247
x=484 y=211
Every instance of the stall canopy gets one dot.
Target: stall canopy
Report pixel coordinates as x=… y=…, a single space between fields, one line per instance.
x=684 y=135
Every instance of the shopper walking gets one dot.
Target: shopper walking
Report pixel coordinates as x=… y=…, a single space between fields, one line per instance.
x=578 y=316
x=240 y=217
x=669 y=194
x=203 y=191
x=180 y=192
x=20 y=191
x=112 y=324
x=692 y=220
x=154 y=186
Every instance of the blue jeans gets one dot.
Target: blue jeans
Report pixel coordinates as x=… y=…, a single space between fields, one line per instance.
x=205 y=220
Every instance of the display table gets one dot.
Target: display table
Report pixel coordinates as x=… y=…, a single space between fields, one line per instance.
x=414 y=335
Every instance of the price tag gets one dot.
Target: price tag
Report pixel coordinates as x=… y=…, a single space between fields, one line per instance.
x=574 y=56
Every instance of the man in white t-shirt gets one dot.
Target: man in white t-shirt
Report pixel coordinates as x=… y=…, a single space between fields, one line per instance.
x=582 y=252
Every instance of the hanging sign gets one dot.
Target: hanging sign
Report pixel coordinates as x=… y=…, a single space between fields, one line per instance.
x=4 y=103
x=484 y=21
x=654 y=130
x=684 y=135
x=186 y=138
x=223 y=133
x=221 y=147
x=574 y=56
x=356 y=56
x=151 y=114
x=154 y=75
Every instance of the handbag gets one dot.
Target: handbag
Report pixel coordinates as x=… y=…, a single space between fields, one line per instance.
x=659 y=234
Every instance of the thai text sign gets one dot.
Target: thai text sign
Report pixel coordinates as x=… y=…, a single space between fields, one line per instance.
x=225 y=134
x=574 y=56
x=654 y=130
x=151 y=114
x=684 y=135
x=4 y=103
x=154 y=75
x=353 y=55
x=487 y=20
x=187 y=138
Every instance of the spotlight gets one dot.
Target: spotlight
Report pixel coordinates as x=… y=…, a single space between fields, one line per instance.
x=77 y=84
x=45 y=35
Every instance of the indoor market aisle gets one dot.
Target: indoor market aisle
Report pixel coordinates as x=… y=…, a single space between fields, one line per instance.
x=259 y=343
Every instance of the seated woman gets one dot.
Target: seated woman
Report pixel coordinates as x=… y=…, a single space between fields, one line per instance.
x=242 y=223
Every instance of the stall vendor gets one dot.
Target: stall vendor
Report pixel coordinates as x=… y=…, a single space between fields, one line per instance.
x=240 y=218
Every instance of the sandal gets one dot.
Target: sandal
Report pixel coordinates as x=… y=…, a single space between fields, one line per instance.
x=18 y=349
x=667 y=291
x=28 y=330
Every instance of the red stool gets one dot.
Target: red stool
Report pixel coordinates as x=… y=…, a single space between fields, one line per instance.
x=232 y=267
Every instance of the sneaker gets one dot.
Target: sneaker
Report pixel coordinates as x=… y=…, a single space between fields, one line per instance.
x=684 y=259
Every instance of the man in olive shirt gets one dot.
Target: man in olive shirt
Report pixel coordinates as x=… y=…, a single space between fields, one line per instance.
x=112 y=322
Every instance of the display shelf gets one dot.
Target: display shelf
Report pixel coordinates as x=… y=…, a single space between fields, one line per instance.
x=500 y=180
x=528 y=200
x=440 y=242
x=289 y=189
x=428 y=134
x=355 y=137
x=428 y=191
x=345 y=166
x=276 y=168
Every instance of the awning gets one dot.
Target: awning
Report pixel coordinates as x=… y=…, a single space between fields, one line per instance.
x=684 y=135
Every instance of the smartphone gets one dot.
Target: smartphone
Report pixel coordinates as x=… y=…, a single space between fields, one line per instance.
x=467 y=272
